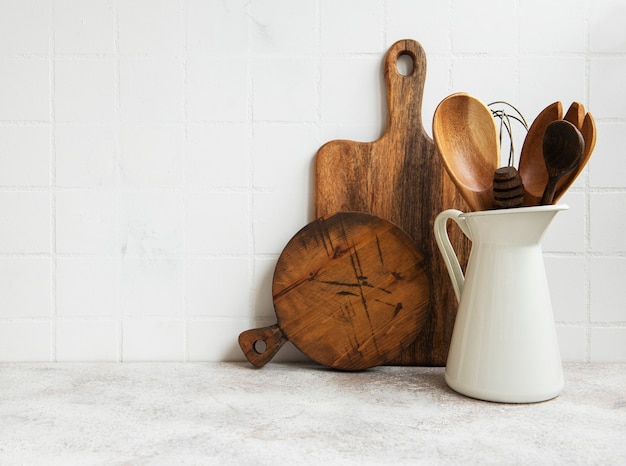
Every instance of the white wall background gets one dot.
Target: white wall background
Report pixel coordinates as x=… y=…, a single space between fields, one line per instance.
x=156 y=156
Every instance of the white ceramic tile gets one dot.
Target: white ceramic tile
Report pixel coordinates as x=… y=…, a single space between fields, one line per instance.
x=25 y=89
x=351 y=26
x=218 y=223
x=25 y=341
x=359 y=100
x=607 y=168
x=190 y=127
x=606 y=27
x=557 y=26
x=151 y=287
x=606 y=80
x=217 y=28
x=428 y=24
x=608 y=222
x=153 y=340
x=87 y=156
x=436 y=88
x=216 y=340
x=566 y=232
x=151 y=156
x=151 y=90
x=217 y=286
x=608 y=344
x=284 y=89
x=283 y=27
x=488 y=78
x=25 y=287
x=217 y=156
x=87 y=340
x=262 y=287
x=25 y=155
x=278 y=216
x=86 y=222
x=25 y=222
x=567 y=282
x=607 y=276
x=217 y=89
x=85 y=90
x=544 y=80
x=283 y=156
x=25 y=27
x=150 y=27
x=87 y=286
x=572 y=343
x=365 y=132
x=84 y=27
x=483 y=26
x=150 y=223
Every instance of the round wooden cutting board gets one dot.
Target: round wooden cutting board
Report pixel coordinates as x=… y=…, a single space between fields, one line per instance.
x=350 y=291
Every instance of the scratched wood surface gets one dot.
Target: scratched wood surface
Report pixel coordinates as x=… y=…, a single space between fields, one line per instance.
x=350 y=291
x=401 y=178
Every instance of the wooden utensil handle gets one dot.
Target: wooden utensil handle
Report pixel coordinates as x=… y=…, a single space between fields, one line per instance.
x=259 y=345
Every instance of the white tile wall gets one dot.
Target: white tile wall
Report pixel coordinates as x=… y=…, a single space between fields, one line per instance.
x=156 y=156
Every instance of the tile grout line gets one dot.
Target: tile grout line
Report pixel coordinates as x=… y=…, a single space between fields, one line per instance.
x=118 y=191
x=183 y=193
x=450 y=56
x=587 y=206
x=518 y=48
x=53 y=182
x=251 y=249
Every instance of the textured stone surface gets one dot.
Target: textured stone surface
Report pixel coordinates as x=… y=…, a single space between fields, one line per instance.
x=230 y=413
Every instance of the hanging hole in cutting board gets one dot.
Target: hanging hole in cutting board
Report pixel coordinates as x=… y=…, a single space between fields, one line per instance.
x=260 y=346
x=405 y=64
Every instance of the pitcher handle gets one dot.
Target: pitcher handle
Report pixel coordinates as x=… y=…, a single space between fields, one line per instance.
x=446 y=249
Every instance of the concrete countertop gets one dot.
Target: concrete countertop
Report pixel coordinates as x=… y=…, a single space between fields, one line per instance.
x=230 y=413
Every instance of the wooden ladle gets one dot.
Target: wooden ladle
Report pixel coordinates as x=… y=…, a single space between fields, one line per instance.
x=466 y=137
x=563 y=146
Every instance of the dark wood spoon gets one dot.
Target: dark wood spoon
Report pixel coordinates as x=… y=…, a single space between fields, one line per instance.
x=532 y=168
x=563 y=146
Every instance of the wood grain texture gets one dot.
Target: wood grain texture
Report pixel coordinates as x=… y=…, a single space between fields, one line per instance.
x=466 y=136
x=563 y=146
x=350 y=291
x=400 y=177
x=532 y=167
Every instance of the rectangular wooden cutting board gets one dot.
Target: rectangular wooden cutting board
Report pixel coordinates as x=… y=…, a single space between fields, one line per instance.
x=400 y=178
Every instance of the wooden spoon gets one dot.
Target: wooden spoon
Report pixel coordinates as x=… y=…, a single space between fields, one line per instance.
x=466 y=136
x=575 y=114
x=532 y=167
x=588 y=131
x=563 y=146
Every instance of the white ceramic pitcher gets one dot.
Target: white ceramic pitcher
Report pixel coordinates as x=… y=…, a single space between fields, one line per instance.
x=504 y=346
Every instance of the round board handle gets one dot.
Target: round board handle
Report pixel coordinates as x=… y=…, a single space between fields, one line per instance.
x=259 y=345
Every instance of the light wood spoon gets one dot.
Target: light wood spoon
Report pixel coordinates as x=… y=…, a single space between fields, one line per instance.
x=575 y=114
x=532 y=167
x=466 y=137
x=563 y=146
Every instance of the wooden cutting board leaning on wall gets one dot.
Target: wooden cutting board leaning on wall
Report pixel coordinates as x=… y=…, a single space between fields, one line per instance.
x=400 y=178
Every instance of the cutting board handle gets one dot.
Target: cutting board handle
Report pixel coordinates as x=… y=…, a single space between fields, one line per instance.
x=259 y=345
x=405 y=93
